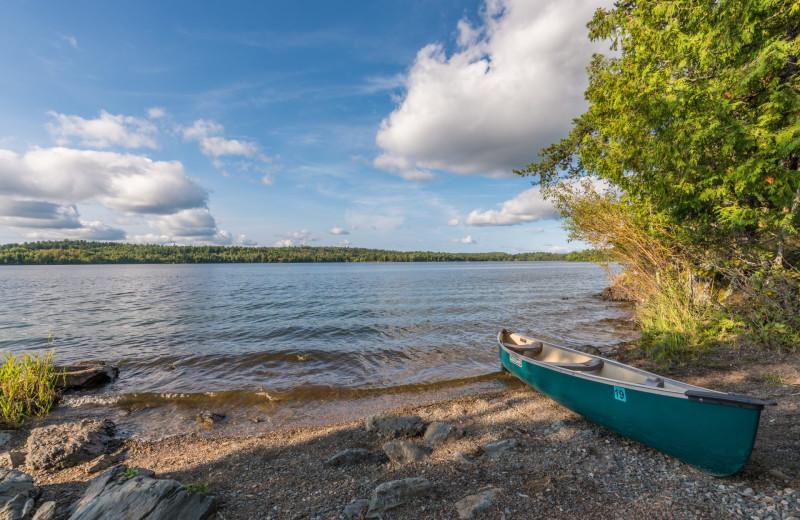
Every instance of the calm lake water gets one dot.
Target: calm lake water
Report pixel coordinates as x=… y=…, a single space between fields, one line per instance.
x=287 y=331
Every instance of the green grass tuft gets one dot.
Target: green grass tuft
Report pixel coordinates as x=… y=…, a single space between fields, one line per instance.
x=27 y=387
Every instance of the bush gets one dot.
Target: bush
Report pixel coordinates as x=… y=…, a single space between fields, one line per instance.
x=27 y=387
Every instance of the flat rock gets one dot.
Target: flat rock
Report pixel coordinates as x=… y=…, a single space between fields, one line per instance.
x=65 y=445
x=86 y=374
x=17 y=494
x=403 y=452
x=111 y=495
x=396 y=493
x=501 y=448
x=352 y=456
x=471 y=506
x=356 y=509
x=395 y=426
x=46 y=511
x=439 y=433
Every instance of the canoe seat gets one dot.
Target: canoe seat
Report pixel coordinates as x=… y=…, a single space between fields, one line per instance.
x=530 y=350
x=654 y=381
x=587 y=366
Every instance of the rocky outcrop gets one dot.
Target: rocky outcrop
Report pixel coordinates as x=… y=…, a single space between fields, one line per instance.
x=118 y=494
x=440 y=433
x=85 y=374
x=17 y=494
x=396 y=493
x=395 y=426
x=65 y=445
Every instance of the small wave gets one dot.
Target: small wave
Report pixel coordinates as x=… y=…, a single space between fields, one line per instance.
x=77 y=401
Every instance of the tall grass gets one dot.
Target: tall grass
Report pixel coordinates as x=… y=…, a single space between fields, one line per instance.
x=27 y=387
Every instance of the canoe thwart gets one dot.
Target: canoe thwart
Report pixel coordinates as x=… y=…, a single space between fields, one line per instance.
x=739 y=401
x=586 y=366
x=532 y=349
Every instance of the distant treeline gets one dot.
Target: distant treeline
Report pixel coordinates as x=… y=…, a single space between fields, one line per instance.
x=82 y=252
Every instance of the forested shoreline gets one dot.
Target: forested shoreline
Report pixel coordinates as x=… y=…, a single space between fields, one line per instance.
x=69 y=252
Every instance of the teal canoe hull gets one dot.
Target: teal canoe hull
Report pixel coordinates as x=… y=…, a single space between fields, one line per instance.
x=716 y=438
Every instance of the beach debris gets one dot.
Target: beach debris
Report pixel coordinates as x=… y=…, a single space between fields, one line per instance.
x=65 y=445
x=140 y=497
x=471 y=506
x=46 y=511
x=439 y=433
x=354 y=456
x=396 y=493
x=500 y=448
x=403 y=452
x=356 y=509
x=209 y=419
x=395 y=426
x=17 y=494
x=85 y=374
x=12 y=459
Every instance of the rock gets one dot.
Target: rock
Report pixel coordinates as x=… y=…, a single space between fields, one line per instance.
x=101 y=463
x=47 y=511
x=140 y=497
x=461 y=458
x=471 y=506
x=501 y=448
x=395 y=493
x=86 y=374
x=403 y=452
x=17 y=508
x=209 y=419
x=617 y=292
x=12 y=459
x=17 y=494
x=65 y=445
x=395 y=426
x=775 y=472
x=5 y=436
x=353 y=456
x=356 y=509
x=438 y=433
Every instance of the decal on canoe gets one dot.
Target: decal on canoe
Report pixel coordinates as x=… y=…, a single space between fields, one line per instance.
x=619 y=394
x=515 y=359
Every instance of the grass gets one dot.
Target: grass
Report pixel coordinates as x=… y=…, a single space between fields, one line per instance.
x=27 y=387
x=196 y=487
x=771 y=378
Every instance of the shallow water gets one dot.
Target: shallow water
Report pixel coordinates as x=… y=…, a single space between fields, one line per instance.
x=265 y=333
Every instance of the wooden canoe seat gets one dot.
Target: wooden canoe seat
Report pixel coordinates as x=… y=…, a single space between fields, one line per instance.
x=530 y=350
x=587 y=366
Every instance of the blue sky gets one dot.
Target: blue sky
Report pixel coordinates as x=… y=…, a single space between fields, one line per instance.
x=383 y=124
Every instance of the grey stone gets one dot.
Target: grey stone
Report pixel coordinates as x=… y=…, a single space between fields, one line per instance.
x=395 y=426
x=46 y=511
x=500 y=448
x=353 y=456
x=65 y=445
x=5 y=436
x=17 y=494
x=356 y=508
x=403 y=452
x=471 y=506
x=438 y=433
x=461 y=458
x=209 y=419
x=18 y=508
x=396 y=493
x=12 y=459
x=86 y=374
x=101 y=463
x=110 y=495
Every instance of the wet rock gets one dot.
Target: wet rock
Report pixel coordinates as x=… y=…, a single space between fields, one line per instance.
x=17 y=494
x=472 y=505
x=403 y=452
x=111 y=495
x=354 y=456
x=356 y=509
x=12 y=459
x=501 y=448
x=617 y=292
x=46 y=511
x=86 y=374
x=439 y=433
x=65 y=445
x=209 y=419
x=395 y=426
x=101 y=463
x=396 y=493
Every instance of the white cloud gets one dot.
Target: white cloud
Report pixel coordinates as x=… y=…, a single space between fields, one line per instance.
x=104 y=132
x=189 y=226
x=299 y=238
x=514 y=86
x=528 y=206
x=267 y=179
x=37 y=214
x=403 y=167
x=156 y=113
x=121 y=182
x=70 y=40
x=94 y=230
x=467 y=240
x=375 y=221
x=454 y=222
x=336 y=230
x=212 y=144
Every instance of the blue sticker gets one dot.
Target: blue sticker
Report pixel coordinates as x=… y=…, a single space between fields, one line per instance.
x=619 y=394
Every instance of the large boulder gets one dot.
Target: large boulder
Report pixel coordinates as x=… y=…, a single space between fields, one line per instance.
x=17 y=494
x=617 y=292
x=62 y=446
x=85 y=374
x=130 y=494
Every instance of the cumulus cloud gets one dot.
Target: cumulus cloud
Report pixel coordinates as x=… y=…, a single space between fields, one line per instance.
x=122 y=182
x=336 y=230
x=513 y=86
x=528 y=206
x=37 y=214
x=208 y=134
x=299 y=238
x=156 y=113
x=94 y=230
x=103 y=132
x=467 y=240
x=454 y=222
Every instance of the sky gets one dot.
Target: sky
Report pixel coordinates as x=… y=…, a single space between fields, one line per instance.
x=377 y=123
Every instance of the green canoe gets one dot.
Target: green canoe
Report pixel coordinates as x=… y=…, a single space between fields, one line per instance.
x=711 y=430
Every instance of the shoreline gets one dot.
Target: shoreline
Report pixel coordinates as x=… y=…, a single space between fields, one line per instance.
x=565 y=466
